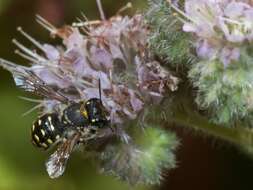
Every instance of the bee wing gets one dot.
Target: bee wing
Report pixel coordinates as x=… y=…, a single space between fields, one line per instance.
x=27 y=80
x=57 y=162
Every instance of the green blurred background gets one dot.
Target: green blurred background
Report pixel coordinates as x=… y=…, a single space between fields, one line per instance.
x=204 y=163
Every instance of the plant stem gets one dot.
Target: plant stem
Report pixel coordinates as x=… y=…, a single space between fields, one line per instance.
x=239 y=135
x=181 y=111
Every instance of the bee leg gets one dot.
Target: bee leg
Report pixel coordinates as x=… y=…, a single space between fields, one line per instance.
x=122 y=135
x=141 y=120
x=113 y=129
x=93 y=132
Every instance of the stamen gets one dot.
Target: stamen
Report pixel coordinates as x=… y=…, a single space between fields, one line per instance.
x=35 y=42
x=25 y=56
x=122 y=9
x=88 y=84
x=43 y=22
x=49 y=64
x=31 y=110
x=87 y=23
x=85 y=29
x=110 y=75
x=79 y=23
x=28 y=51
x=30 y=99
x=182 y=20
x=84 y=17
x=182 y=13
x=101 y=11
x=10 y=66
x=231 y=21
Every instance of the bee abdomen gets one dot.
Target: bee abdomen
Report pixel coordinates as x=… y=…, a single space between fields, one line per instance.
x=46 y=130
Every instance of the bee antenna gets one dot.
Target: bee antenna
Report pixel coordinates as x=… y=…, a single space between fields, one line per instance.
x=99 y=88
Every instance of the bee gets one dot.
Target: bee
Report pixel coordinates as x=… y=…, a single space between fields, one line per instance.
x=86 y=116
x=78 y=123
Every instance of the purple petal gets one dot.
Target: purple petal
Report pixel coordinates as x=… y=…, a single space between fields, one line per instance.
x=136 y=103
x=232 y=36
x=75 y=61
x=130 y=114
x=74 y=40
x=205 y=49
x=50 y=77
x=229 y=54
x=105 y=82
x=101 y=58
x=115 y=51
x=188 y=27
x=51 y=52
x=91 y=93
x=249 y=18
x=235 y=9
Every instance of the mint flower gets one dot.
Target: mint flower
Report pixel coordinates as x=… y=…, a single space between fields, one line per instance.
x=201 y=41
x=221 y=32
x=220 y=27
x=115 y=52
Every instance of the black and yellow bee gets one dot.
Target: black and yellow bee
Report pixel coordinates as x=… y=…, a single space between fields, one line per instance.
x=50 y=127
x=78 y=122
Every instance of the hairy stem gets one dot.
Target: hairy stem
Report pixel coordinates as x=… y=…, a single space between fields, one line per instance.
x=239 y=136
x=181 y=111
